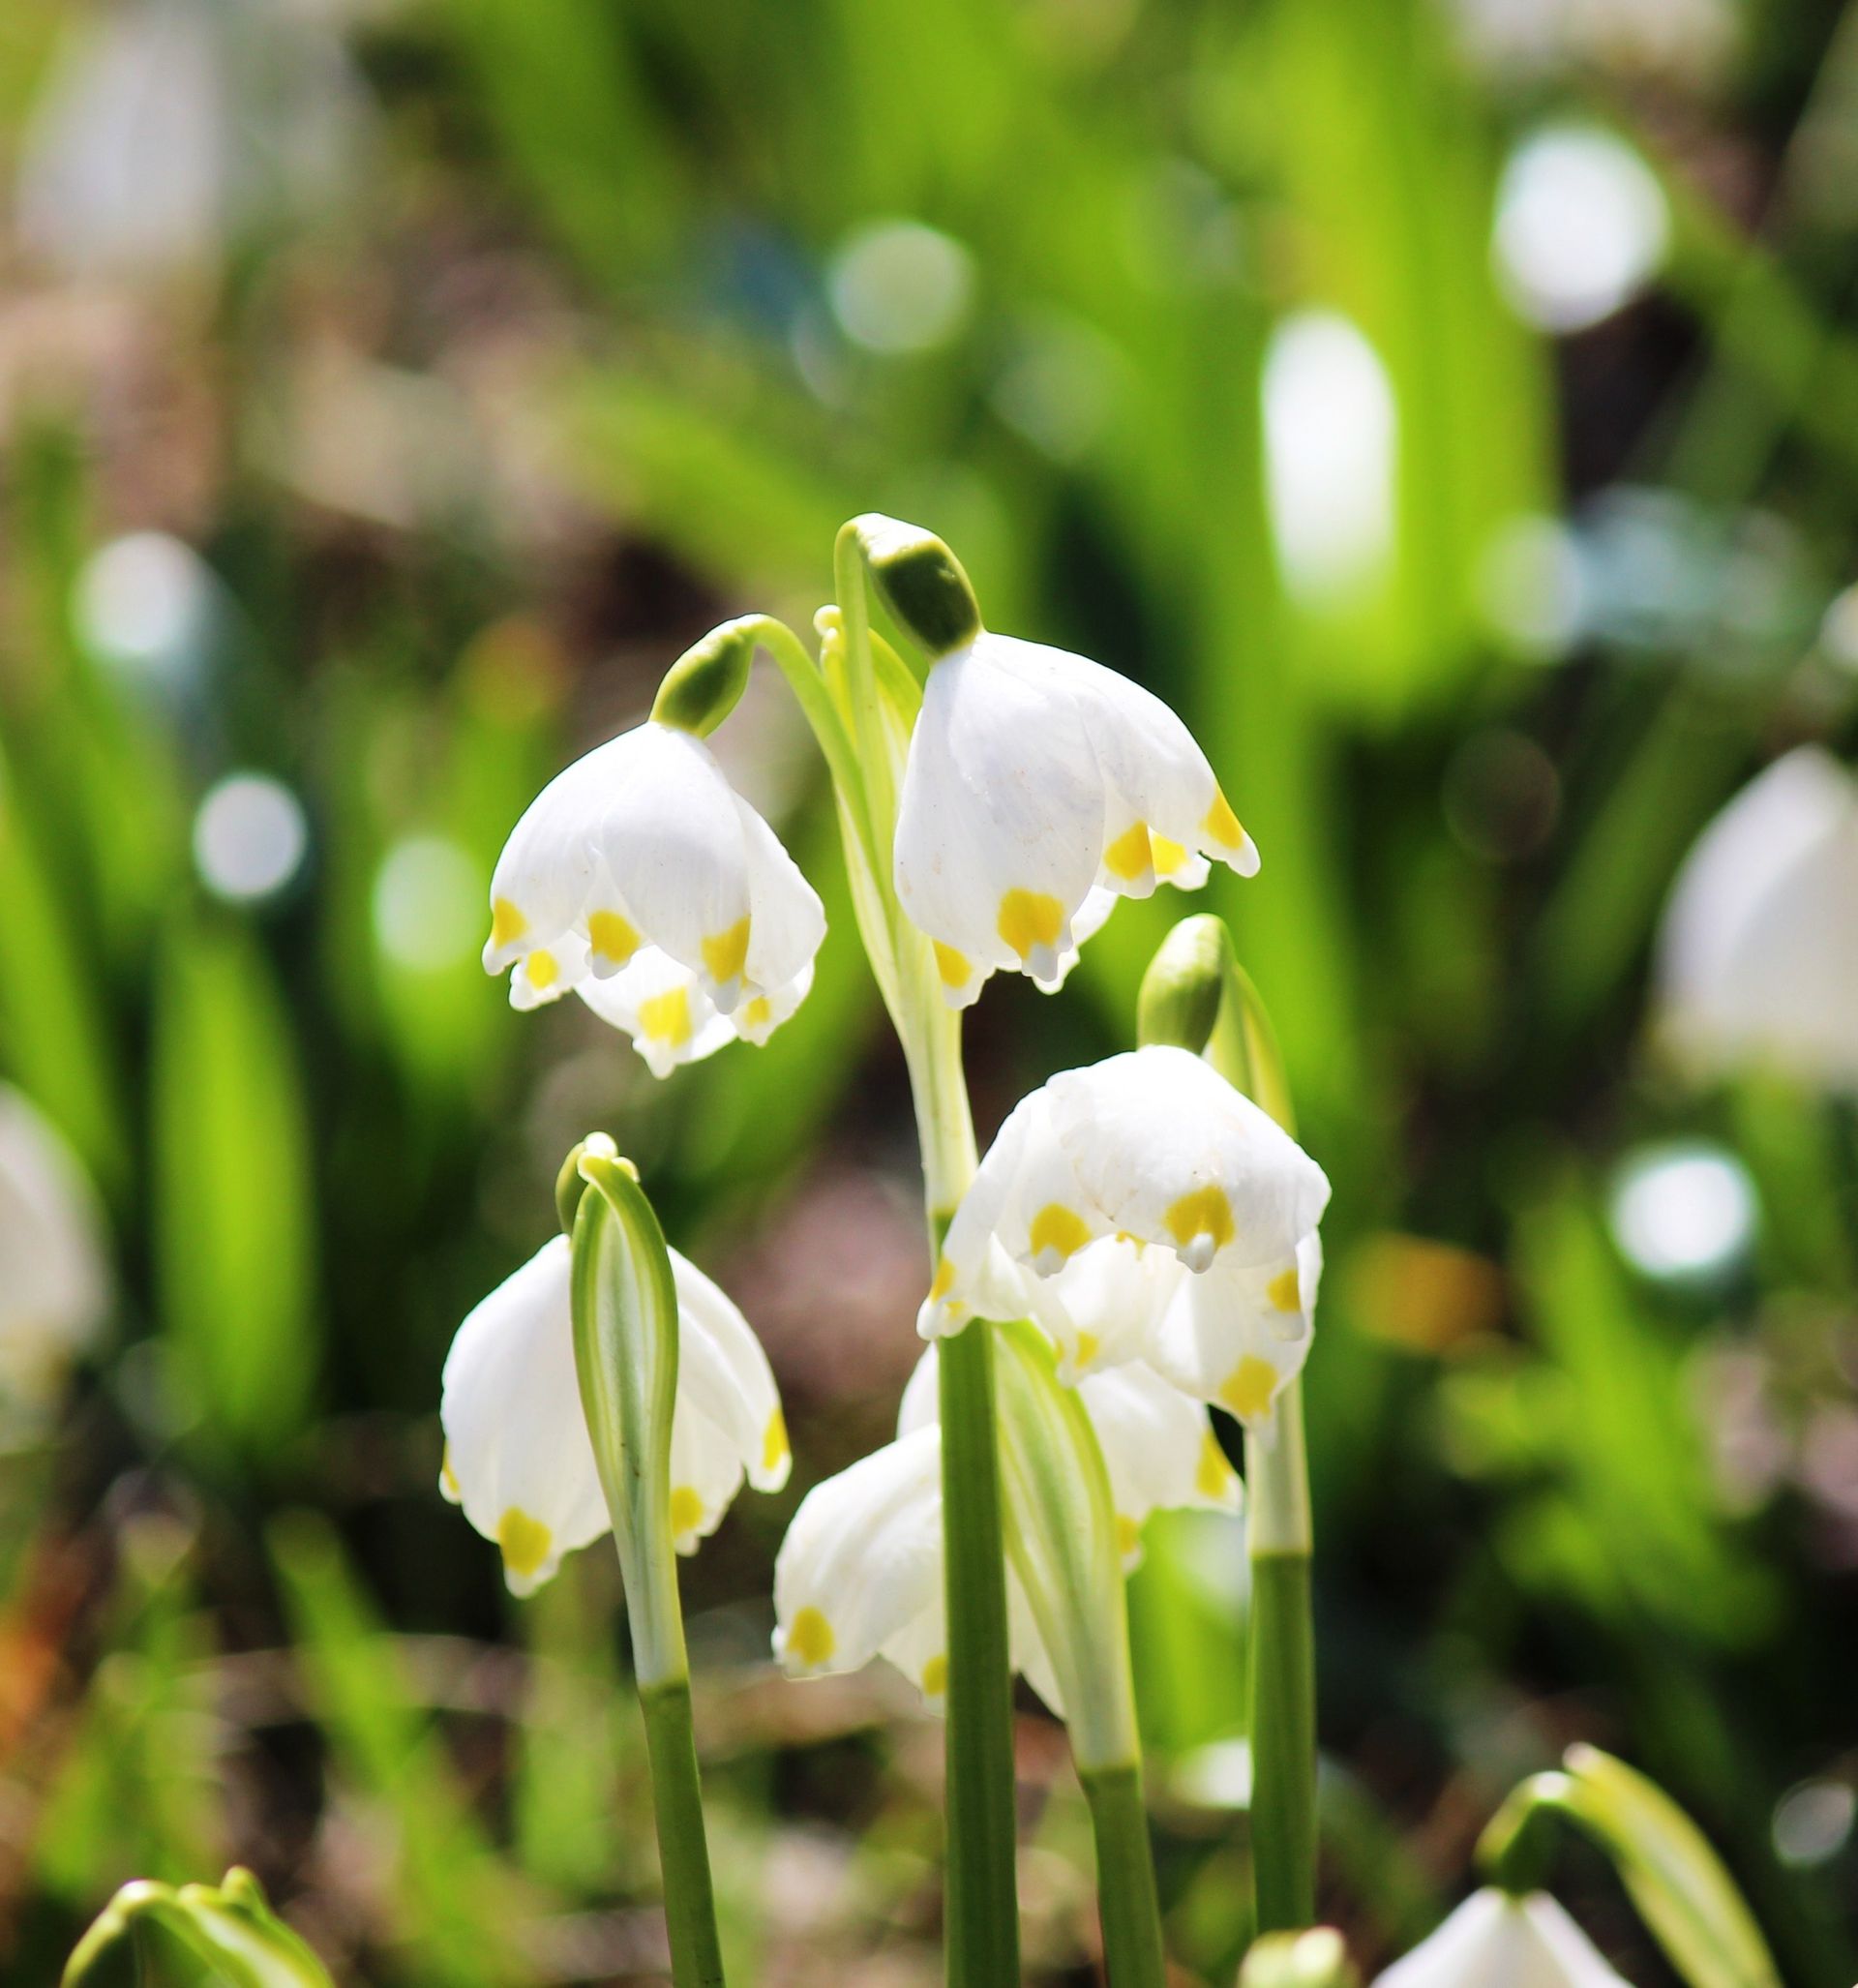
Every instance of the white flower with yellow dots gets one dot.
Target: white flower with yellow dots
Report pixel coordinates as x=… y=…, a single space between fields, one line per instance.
x=1040 y=788
x=640 y=878
x=860 y=1572
x=517 y=1457
x=1143 y=1207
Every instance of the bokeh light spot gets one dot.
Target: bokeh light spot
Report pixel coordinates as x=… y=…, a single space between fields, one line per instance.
x=899 y=286
x=145 y=604
x=249 y=837
x=1581 y=227
x=429 y=906
x=1683 y=1211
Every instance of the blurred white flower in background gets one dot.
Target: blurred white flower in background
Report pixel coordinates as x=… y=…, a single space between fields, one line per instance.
x=1330 y=453
x=1758 y=951
x=166 y=126
x=55 y=1289
x=1581 y=227
x=1688 y=39
x=1497 y=1941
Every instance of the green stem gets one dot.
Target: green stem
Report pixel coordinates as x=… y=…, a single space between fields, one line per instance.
x=982 y=1913
x=1281 y=1684
x=1125 y=1894
x=690 y=1910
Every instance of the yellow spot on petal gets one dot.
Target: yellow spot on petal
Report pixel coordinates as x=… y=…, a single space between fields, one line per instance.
x=1129 y=856
x=945 y=1281
x=1030 y=919
x=1249 y=1388
x=612 y=937
x=1136 y=1242
x=541 y=970
x=725 y=952
x=1169 y=856
x=759 y=1013
x=666 y=1018
x=1089 y=1346
x=447 y=1476
x=774 y=1441
x=686 y=1511
x=1284 y=1291
x=524 y=1541
x=935 y=1677
x=955 y=968
x=1128 y=1535
x=810 y=1639
x=1222 y=824
x=506 y=922
x=1058 y=1228
x=1213 y=1477
x=1206 y=1212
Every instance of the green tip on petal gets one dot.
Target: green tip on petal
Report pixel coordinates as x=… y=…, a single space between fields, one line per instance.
x=921 y=582
x=1182 y=990
x=705 y=683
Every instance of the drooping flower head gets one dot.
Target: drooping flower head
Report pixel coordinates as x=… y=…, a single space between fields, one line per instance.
x=56 y=1287
x=1495 y=1940
x=518 y=1457
x=641 y=880
x=1758 y=955
x=1144 y=1208
x=1040 y=788
x=860 y=1572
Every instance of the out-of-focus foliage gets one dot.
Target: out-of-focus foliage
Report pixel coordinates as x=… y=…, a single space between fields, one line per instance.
x=1447 y=406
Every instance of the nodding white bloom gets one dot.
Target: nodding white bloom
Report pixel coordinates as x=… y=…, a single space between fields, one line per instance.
x=1758 y=955
x=1040 y=788
x=859 y=1574
x=518 y=1457
x=1495 y=1940
x=1143 y=1207
x=55 y=1292
x=640 y=878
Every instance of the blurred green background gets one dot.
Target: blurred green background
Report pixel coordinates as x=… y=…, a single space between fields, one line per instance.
x=1450 y=406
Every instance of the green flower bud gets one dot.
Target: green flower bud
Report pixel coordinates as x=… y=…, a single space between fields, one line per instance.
x=1184 y=984
x=232 y=1930
x=570 y=1184
x=1313 y=1959
x=921 y=582
x=705 y=683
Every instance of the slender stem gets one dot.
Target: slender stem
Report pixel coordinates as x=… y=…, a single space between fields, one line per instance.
x=690 y=1910
x=1125 y=1894
x=1281 y=1685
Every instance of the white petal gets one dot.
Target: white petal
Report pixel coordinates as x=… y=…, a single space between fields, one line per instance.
x=788 y=921
x=706 y=1473
x=862 y=1562
x=1104 y=1304
x=662 y=1005
x=1494 y=1940
x=756 y=1018
x=1238 y=1334
x=1159 y=1447
x=1760 y=945
x=517 y=1457
x=723 y=1373
x=545 y=973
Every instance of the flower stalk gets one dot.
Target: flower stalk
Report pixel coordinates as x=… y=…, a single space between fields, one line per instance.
x=1196 y=995
x=625 y=1346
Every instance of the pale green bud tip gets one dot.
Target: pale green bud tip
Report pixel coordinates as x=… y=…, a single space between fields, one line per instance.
x=705 y=683
x=1314 y=1959
x=1182 y=990
x=571 y=1179
x=921 y=582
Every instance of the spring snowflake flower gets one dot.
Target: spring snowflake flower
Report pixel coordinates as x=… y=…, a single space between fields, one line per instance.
x=1040 y=788
x=517 y=1457
x=1144 y=1208
x=55 y=1292
x=641 y=880
x=860 y=1572
x=1497 y=1941
x=1758 y=955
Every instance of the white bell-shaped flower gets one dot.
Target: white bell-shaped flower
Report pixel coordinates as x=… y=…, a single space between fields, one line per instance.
x=1040 y=788
x=55 y=1290
x=1495 y=1940
x=1240 y=1334
x=641 y=879
x=1758 y=954
x=1106 y=1180
x=517 y=1457
x=859 y=1574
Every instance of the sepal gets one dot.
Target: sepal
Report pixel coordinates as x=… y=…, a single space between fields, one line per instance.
x=921 y=583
